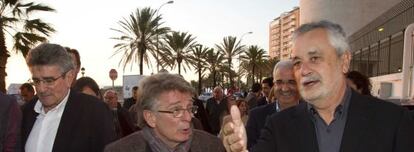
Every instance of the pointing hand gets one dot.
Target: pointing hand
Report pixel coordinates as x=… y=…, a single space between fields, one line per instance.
x=234 y=139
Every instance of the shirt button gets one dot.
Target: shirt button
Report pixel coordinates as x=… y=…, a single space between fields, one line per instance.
x=328 y=130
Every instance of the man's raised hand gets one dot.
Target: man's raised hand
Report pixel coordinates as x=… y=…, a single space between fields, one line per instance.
x=234 y=139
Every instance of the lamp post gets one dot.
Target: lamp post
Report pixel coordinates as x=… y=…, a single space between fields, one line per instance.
x=83 y=71
x=241 y=38
x=158 y=51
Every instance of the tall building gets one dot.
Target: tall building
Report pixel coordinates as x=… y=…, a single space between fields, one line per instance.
x=280 y=34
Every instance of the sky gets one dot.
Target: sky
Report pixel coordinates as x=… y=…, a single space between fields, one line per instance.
x=86 y=26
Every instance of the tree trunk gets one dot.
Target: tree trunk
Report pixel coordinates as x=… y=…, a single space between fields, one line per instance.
x=179 y=68
x=253 y=73
x=141 y=62
x=230 y=74
x=199 y=81
x=3 y=60
x=214 y=78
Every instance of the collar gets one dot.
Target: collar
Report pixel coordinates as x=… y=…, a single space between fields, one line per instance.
x=157 y=144
x=38 y=108
x=277 y=106
x=340 y=110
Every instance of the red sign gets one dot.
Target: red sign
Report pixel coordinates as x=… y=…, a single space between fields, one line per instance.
x=113 y=74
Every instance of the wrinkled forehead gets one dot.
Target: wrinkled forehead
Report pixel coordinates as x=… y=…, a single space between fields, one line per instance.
x=175 y=97
x=310 y=42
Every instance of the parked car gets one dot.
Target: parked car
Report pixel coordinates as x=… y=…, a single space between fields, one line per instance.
x=205 y=96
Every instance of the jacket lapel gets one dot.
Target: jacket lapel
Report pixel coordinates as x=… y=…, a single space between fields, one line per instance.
x=67 y=123
x=304 y=130
x=29 y=120
x=357 y=123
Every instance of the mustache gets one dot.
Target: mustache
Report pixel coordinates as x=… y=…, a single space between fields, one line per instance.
x=43 y=94
x=309 y=79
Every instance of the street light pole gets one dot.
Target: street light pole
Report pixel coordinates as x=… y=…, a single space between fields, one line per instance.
x=158 y=51
x=241 y=38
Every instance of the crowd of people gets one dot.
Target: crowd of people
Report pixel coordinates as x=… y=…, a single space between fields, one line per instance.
x=310 y=103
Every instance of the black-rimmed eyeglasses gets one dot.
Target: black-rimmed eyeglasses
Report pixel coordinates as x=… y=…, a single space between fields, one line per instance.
x=47 y=80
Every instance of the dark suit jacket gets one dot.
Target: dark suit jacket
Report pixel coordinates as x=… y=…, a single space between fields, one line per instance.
x=10 y=119
x=256 y=122
x=372 y=125
x=128 y=103
x=261 y=101
x=86 y=125
x=202 y=142
x=201 y=114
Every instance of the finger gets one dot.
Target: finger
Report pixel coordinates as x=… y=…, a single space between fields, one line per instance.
x=226 y=144
x=237 y=147
x=235 y=116
x=228 y=128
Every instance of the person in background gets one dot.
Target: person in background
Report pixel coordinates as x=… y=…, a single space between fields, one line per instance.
x=87 y=86
x=244 y=110
x=131 y=101
x=267 y=85
x=216 y=108
x=75 y=56
x=135 y=112
x=359 y=82
x=10 y=119
x=168 y=109
x=201 y=114
x=286 y=91
x=62 y=120
x=272 y=95
x=254 y=95
x=121 y=118
x=27 y=93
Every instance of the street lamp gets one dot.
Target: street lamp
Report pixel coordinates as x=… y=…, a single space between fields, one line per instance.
x=83 y=71
x=158 y=51
x=241 y=37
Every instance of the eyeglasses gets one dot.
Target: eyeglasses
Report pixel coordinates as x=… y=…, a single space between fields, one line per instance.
x=47 y=81
x=179 y=112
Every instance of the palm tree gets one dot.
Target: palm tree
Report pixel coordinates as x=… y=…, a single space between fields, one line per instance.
x=177 y=50
x=253 y=58
x=199 y=53
x=268 y=65
x=138 y=34
x=214 y=60
x=230 y=47
x=15 y=19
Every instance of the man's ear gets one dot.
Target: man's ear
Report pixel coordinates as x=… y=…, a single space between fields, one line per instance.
x=346 y=61
x=150 y=118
